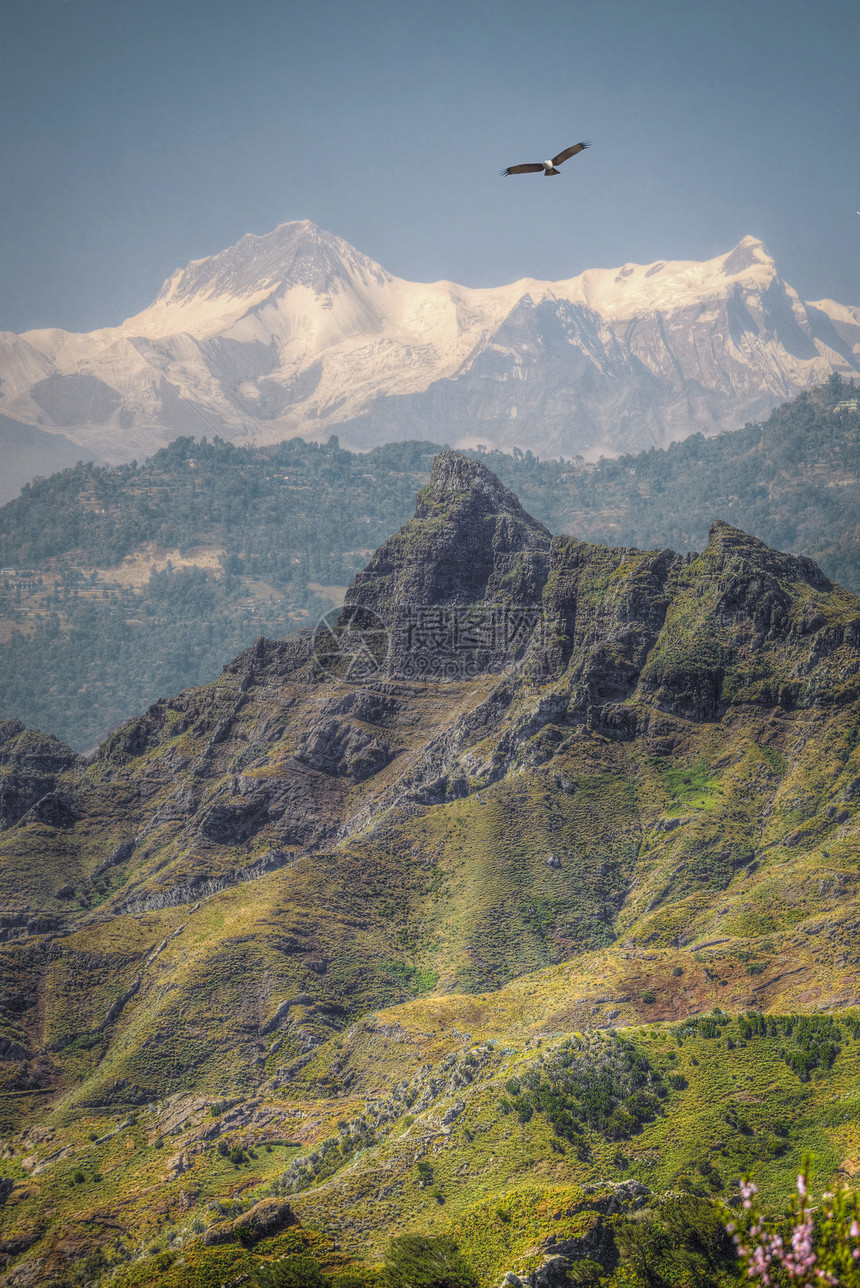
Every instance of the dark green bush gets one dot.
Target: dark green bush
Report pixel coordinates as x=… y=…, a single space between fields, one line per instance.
x=426 y=1261
x=291 y=1272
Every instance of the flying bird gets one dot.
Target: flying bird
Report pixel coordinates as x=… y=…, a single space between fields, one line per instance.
x=548 y=167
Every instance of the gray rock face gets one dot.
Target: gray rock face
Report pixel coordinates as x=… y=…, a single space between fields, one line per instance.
x=31 y=766
x=344 y=750
x=459 y=586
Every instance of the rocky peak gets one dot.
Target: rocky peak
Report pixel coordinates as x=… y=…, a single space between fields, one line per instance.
x=468 y=537
x=31 y=766
x=470 y=545
x=732 y=553
x=456 y=475
x=468 y=492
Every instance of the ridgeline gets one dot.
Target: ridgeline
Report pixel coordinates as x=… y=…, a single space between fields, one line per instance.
x=123 y=585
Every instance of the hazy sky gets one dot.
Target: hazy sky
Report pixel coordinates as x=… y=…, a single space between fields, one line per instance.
x=140 y=134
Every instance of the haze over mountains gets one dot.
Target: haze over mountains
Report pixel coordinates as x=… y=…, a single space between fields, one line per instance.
x=296 y=333
x=104 y=627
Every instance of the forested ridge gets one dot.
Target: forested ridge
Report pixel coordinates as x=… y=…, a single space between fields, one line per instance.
x=262 y=538
x=793 y=481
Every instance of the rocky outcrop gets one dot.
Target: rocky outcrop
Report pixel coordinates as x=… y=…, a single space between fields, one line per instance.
x=31 y=766
x=557 y=1255
x=262 y=1221
x=458 y=588
x=343 y=750
x=204 y=885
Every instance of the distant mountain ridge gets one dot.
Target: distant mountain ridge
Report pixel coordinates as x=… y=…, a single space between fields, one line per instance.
x=297 y=333
x=82 y=648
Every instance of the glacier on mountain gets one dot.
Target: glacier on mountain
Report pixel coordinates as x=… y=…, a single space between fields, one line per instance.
x=297 y=333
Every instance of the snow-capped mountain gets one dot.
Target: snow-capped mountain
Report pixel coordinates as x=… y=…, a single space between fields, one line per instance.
x=296 y=332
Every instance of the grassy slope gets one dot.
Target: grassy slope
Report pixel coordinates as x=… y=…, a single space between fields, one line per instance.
x=497 y=1182
x=705 y=857
x=785 y=939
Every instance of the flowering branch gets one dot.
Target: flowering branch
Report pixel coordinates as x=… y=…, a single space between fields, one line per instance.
x=813 y=1248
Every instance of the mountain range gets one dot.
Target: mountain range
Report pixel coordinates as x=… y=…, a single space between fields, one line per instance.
x=139 y=580
x=505 y=900
x=296 y=333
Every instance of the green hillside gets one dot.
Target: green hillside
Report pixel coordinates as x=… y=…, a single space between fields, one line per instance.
x=541 y=950
x=794 y=481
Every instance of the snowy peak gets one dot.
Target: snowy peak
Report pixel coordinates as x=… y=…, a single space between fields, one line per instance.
x=749 y=255
x=296 y=333
x=634 y=289
x=295 y=254
x=209 y=294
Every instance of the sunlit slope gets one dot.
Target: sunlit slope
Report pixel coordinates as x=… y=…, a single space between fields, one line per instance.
x=360 y=905
x=481 y=1115
x=671 y=760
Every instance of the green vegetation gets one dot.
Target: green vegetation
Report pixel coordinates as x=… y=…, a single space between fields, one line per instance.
x=686 y=1108
x=291 y=1272
x=421 y=1261
x=681 y=1241
x=690 y=786
x=413 y=979
x=815 y=1039
x=574 y=957
x=612 y=1088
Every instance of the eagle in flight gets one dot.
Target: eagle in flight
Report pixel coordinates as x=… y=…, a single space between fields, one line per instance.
x=548 y=167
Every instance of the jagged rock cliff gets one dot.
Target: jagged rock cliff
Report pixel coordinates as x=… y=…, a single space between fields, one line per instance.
x=553 y=696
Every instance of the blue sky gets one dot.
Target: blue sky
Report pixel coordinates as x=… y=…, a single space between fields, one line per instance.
x=139 y=134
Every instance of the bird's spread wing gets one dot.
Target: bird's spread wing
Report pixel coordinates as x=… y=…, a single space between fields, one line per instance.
x=532 y=168
x=570 y=152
